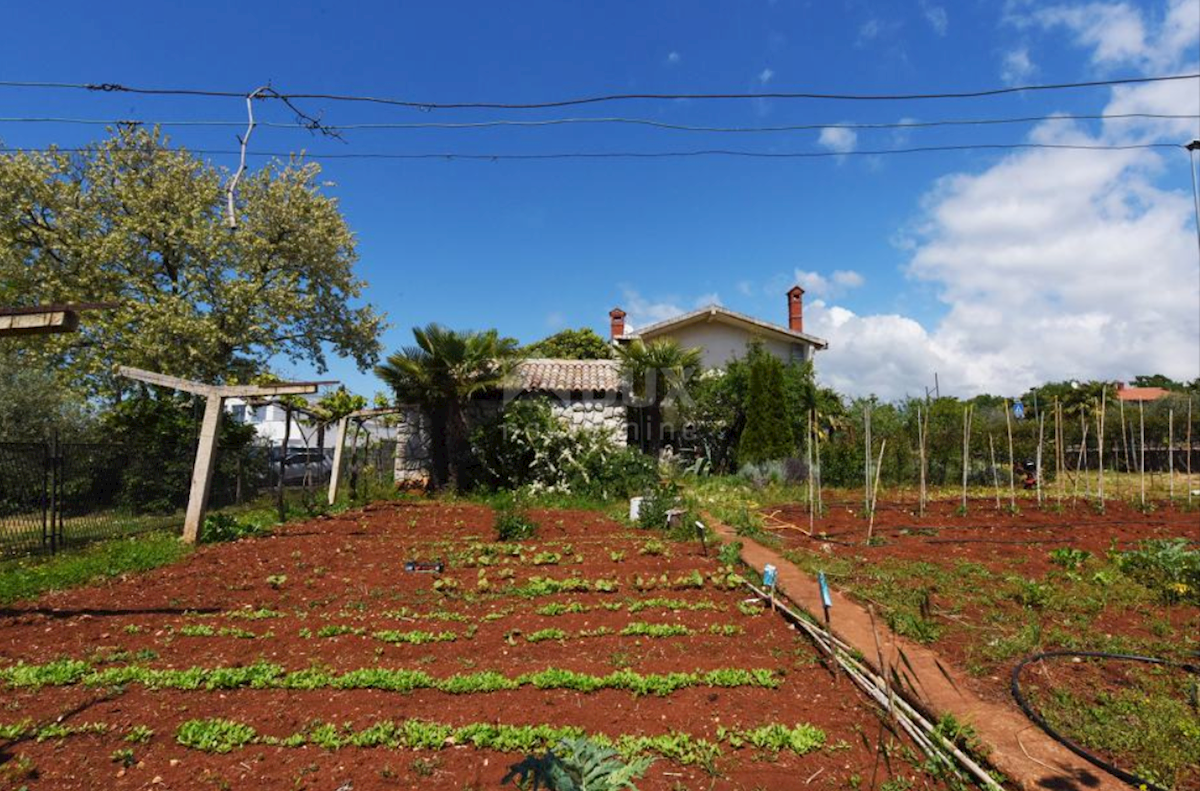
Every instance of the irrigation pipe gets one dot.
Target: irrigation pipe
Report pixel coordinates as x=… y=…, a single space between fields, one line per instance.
x=908 y=717
x=1037 y=719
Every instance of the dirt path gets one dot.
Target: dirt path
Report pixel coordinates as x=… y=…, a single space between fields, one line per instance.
x=1018 y=748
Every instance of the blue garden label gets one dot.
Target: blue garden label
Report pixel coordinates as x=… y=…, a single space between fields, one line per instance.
x=825 y=599
x=769 y=575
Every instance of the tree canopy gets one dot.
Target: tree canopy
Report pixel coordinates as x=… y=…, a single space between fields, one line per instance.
x=580 y=344
x=134 y=221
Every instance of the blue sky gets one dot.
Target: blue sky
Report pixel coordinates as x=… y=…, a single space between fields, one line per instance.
x=996 y=270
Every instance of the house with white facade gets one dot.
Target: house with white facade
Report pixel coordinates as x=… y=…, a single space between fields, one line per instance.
x=592 y=394
x=721 y=334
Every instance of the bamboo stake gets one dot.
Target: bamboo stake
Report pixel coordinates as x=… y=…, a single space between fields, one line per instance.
x=812 y=438
x=875 y=491
x=1058 y=450
x=1012 y=462
x=808 y=464
x=1038 y=462
x=921 y=454
x=995 y=472
x=1081 y=464
x=1124 y=437
x=1142 y=452
x=867 y=456
x=820 y=500
x=1100 y=443
x=1171 y=451
x=966 y=453
x=1189 y=451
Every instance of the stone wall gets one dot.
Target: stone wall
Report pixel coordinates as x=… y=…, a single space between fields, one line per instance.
x=414 y=458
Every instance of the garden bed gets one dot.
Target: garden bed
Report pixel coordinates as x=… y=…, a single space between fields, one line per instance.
x=987 y=587
x=312 y=658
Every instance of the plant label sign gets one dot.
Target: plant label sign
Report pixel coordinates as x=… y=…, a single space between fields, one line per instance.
x=769 y=574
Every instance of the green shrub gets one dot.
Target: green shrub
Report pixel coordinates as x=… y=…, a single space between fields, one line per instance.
x=662 y=498
x=1069 y=557
x=526 y=446
x=514 y=526
x=223 y=527
x=578 y=765
x=1166 y=566
x=768 y=432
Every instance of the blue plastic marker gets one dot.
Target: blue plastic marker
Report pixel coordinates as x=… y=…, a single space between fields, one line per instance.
x=827 y=605
x=826 y=602
x=769 y=573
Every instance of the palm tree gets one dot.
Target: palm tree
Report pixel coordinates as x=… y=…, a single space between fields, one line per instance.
x=441 y=373
x=655 y=371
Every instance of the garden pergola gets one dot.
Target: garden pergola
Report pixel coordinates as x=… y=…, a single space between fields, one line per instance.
x=206 y=451
x=339 y=451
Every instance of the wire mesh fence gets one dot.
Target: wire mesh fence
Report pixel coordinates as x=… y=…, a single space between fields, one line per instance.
x=54 y=495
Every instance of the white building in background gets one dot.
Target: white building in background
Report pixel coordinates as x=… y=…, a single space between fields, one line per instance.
x=270 y=421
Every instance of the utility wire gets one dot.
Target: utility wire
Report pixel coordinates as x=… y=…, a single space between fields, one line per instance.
x=712 y=152
x=109 y=87
x=913 y=124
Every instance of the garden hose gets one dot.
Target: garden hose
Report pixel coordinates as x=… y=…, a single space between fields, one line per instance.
x=1116 y=771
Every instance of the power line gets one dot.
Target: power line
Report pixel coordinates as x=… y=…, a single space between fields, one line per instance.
x=911 y=124
x=616 y=97
x=713 y=152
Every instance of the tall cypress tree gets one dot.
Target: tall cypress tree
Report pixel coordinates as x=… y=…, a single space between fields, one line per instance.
x=768 y=432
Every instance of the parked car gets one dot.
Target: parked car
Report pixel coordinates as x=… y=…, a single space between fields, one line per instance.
x=302 y=465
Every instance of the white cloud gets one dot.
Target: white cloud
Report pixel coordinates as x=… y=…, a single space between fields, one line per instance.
x=1114 y=31
x=869 y=31
x=847 y=278
x=818 y=285
x=839 y=139
x=936 y=16
x=766 y=75
x=1053 y=264
x=1118 y=33
x=555 y=319
x=673 y=58
x=1017 y=68
x=642 y=311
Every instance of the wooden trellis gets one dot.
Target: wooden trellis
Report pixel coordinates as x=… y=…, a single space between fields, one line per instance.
x=206 y=451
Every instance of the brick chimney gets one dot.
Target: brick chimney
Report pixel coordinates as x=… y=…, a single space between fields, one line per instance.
x=617 y=323
x=795 y=297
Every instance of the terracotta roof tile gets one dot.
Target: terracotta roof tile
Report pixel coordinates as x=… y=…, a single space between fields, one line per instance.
x=551 y=374
x=1141 y=393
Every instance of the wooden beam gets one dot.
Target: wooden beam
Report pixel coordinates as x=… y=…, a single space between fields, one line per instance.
x=162 y=380
x=42 y=322
x=226 y=391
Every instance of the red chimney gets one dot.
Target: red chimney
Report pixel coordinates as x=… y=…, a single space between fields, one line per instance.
x=796 y=309
x=617 y=323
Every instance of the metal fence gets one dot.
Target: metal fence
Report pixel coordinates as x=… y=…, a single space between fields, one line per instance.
x=58 y=494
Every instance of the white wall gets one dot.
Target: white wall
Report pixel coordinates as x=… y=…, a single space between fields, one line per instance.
x=722 y=342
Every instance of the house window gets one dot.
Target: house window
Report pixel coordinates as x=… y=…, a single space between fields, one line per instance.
x=238 y=412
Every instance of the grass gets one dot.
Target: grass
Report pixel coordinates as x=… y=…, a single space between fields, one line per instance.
x=28 y=578
x=1147 y=727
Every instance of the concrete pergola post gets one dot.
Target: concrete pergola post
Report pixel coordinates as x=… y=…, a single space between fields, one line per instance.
x=339 y=451
x=206 y=451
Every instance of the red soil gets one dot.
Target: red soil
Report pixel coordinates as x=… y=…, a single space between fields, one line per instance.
x=348 y=570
